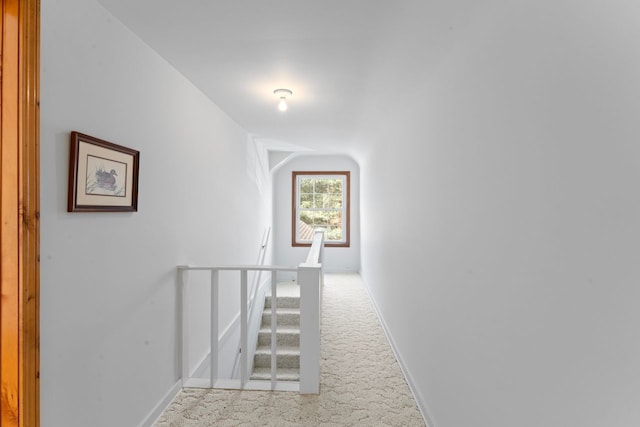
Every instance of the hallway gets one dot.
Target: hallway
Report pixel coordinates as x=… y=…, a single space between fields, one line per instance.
x=361 y=382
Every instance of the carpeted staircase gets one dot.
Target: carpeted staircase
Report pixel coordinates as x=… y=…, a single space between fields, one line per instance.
x=288 y=340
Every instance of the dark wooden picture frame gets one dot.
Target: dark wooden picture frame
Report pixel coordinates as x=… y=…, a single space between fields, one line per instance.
x=103 y=176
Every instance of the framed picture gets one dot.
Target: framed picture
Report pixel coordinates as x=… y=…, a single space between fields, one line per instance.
x=103 y=177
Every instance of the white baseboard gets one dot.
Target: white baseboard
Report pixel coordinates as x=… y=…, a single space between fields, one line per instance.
x=161 y=406
x=422 y=406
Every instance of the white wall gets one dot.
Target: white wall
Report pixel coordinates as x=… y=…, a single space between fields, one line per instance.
x=336 y=259
x=108 y=292
x=502 y=243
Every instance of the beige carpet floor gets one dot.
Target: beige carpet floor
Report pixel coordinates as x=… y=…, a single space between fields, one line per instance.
x=361 y=382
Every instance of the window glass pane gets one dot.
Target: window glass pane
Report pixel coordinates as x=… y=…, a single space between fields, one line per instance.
x=322 y=185
x=319 y=203
x=335 y=201
x=321 y=218
x=334 y=233
x=307 y=217
x=325 y=200
x=335 y=218
x=335 y=186
x=306 y=200
x=306 y=185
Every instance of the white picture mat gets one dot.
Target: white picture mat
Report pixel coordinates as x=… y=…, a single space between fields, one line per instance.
x=122 y=163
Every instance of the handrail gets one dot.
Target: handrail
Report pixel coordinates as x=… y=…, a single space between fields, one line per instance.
x=310 y=279
x=317 y=246
x=261 y=254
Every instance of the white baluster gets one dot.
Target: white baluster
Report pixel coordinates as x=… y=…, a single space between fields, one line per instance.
x=214 y=355
x=274 y=325
x=185 y=324
x=244 y=348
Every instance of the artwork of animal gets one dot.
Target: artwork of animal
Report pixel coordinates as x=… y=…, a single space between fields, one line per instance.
x=106 y=180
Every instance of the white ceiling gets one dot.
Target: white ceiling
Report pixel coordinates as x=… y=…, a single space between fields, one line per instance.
x=238 y=51
x=327 y=52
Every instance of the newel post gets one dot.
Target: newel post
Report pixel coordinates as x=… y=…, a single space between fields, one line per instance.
x=309 y=276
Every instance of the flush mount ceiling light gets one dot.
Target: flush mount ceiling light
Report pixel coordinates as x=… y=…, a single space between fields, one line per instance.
x=282 y=94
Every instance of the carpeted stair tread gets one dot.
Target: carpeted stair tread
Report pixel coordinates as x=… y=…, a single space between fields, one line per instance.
x=283 y=302
x=285 y=337
x=285 y=316
x=283 y=310
x=284 y=374
x=284 y=329
x=279 y=350
x=286 y=357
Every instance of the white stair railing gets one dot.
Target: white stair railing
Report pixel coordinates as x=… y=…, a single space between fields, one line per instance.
x=310 y=279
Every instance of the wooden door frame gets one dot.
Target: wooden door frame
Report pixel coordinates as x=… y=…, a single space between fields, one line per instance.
x=20 y=223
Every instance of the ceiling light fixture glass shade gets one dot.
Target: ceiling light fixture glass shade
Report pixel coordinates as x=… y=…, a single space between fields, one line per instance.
x=282 y=94
x=282 y=105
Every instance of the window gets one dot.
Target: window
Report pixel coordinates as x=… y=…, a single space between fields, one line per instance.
x=320 y=201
